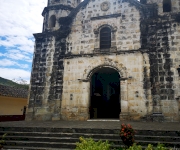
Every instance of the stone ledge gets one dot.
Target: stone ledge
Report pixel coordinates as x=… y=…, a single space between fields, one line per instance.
x=106 y=17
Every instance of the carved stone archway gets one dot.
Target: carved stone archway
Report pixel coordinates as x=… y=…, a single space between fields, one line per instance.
x=106 y=62
x=91 y=72
x=123 y=83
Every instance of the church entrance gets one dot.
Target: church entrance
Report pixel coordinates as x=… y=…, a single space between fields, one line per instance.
x=105 y=94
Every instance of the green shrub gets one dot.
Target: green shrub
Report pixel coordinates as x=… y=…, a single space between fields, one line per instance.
x=135 y=147
x=90 y=144
x=149 y=147
x=2 y=141
x=159 y=147
x=127 y=134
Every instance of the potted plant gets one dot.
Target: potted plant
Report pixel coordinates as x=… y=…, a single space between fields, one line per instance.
x=2 y=141
x=127 y=134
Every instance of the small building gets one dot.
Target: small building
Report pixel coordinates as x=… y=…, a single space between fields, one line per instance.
x=13 y=102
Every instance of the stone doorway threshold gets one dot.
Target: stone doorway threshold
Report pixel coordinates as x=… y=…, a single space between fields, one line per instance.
x=103 y=120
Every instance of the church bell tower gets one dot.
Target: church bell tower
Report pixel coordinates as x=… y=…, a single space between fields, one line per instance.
x=56 y=9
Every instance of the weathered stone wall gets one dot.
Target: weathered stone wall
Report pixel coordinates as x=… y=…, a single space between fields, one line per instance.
x=76 y=92
x=58 y=14
x=171 y=108
x=47 y=68
x=122 y=17
x=163 y=45
x=40 y=76
x=45 y=95
x=175 y=6
x=58 y=11
x=72 y=3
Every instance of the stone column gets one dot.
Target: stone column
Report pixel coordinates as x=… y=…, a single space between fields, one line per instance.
x=157 y=115
x=124 y=115
x=96 y=42
x=44 y=112
x=56 y=114
x=179 y=108
x=147 y=85
x=87 y=98
x=113 y=40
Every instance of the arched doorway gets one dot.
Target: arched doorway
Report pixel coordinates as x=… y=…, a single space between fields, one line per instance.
x=105 y=94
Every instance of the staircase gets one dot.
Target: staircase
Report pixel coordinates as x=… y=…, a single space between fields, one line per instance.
x=45 y=138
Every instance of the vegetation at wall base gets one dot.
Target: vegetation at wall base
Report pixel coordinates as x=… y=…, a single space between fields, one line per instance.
x=90 y=144
x=149 y=147
x=2 y=141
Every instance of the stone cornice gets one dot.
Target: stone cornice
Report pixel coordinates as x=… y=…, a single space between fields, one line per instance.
x=69 y=56
x=56 y=33
x=39 y=36
x=56 y=7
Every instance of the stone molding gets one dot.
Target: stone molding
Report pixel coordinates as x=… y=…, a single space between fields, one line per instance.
x=113 y=28
x=100 y=53
x=106 y=17
x=108 y=63
x=56 y=7
x=112 y=49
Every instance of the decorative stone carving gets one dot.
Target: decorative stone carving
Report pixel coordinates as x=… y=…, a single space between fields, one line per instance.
x=107 y=63
x=105 y=6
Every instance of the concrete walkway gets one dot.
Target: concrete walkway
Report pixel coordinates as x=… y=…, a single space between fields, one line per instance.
x=108 y=124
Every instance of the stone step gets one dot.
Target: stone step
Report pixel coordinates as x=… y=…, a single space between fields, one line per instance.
x=157 y=138
x=42 y=139
x=62 y=130
x=41 y=148
x=52 y=134
x=158 y=133
x=64 y=138
x=56 y=139
x=87 y=130
x=46 y=145
x=32 y=148
x=68 y=144
x=86 y=135
x=165 y=143
x=117 y=141
x=32 y=144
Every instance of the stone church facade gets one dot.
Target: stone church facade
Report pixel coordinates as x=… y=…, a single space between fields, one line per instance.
x=107 y=59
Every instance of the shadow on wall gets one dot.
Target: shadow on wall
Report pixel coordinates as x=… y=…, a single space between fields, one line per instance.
x=12 y=118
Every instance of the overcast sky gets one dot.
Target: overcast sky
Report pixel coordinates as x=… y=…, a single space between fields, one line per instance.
x=19 y=19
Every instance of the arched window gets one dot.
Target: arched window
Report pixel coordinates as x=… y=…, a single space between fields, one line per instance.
x=166 y=5
x=105 y=38
x=52 y=21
